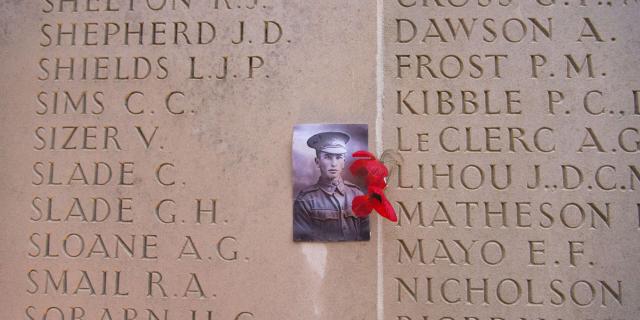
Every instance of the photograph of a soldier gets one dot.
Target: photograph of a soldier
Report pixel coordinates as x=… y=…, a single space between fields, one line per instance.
x=323 y=187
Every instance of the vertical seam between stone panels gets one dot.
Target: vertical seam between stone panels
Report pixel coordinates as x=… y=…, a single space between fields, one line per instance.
x=379 y=145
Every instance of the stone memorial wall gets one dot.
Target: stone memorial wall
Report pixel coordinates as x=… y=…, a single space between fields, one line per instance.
x=518 y=122
x=146 y=155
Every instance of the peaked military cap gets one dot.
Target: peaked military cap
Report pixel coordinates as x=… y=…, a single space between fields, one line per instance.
x=329 y=142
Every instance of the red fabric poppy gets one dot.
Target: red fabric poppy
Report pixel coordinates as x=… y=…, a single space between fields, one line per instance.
x=374 y=172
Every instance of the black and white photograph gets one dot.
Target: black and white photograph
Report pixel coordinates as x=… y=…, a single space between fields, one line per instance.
x=323 y=187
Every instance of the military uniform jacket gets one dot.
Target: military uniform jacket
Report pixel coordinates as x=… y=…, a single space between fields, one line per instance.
x=323 y=212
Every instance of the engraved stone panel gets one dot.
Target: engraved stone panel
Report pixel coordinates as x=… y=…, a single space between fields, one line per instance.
x=145 y=151
x=518 y=124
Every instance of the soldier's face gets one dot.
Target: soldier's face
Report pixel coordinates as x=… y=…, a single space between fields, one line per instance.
x=330 y=164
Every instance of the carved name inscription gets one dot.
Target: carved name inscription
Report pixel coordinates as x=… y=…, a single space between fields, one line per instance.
x=517 y=198
x=118 y=82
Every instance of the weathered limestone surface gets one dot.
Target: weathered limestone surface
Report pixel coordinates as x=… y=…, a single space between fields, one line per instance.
x=227 y=141
x=518 y=123
x=146 y=146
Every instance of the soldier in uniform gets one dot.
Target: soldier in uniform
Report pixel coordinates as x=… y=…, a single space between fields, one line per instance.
x=322 y=212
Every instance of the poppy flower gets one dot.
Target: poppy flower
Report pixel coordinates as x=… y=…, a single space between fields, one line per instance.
x=375 y=173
